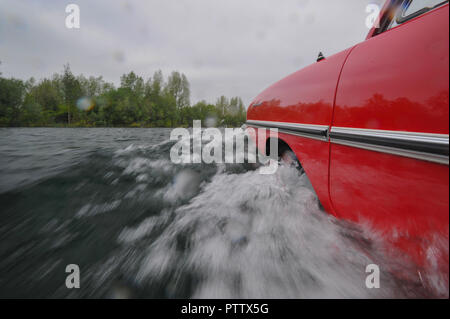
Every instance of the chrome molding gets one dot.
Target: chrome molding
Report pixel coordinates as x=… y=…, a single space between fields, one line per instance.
x=318 y=132
x=424 y=146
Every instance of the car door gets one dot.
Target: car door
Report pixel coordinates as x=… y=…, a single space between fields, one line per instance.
x=389 y=136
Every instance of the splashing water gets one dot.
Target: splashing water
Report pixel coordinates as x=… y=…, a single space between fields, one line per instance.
x=140 y=226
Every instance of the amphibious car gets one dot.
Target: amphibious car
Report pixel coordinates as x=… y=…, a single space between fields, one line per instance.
x=370 y=127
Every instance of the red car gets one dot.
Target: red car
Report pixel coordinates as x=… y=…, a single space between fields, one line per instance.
x=370 y=127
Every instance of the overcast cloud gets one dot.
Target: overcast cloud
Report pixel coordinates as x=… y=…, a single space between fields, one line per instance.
x=225 y=47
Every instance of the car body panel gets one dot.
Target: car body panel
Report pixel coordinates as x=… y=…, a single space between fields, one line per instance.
x=398 y=80
x=390 y=94
x=307 y=96
x=395 y=81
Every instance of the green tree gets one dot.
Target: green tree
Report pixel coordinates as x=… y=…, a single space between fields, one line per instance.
x=32 y=113
x=222 y=105
x=47 y=95
x=72 y=91
x=93 y=86
x=157 y=103
x=12 y=92
x=133 y=82
x=178 y=87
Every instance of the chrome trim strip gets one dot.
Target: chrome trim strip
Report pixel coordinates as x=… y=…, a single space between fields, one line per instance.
x=412 y=136
x=424 y=146
x=318 y=132
x=440 y=159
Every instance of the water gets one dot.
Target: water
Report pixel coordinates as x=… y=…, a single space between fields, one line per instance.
x=138 y=226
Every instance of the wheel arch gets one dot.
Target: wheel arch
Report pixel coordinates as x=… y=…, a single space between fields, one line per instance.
x=282 y=146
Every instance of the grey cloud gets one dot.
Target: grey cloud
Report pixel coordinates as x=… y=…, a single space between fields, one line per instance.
x=232 y=47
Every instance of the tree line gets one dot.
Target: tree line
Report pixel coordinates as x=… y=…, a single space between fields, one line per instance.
x=68 y=100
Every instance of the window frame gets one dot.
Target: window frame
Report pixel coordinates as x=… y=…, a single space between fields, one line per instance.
x=399 y=18
x=388 y=17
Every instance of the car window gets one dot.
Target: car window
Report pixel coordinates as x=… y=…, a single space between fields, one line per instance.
x=409 y=9
x=418 y=5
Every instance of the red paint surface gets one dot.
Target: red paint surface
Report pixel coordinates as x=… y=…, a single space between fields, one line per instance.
x=307 y=96
x=398 y=81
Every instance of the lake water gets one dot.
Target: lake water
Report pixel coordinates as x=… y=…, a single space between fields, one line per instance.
x=138 y=226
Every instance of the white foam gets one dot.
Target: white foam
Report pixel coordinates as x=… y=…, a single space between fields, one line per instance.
x=253 y=236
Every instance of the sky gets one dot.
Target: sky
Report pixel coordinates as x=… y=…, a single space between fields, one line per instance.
x=224 y=47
